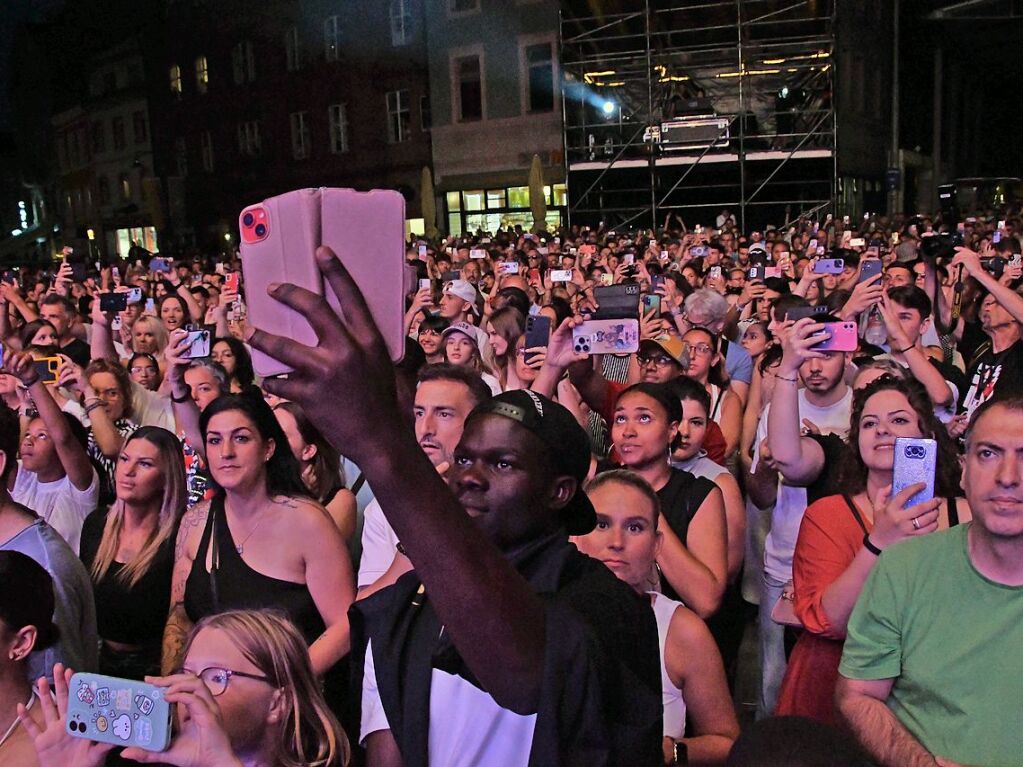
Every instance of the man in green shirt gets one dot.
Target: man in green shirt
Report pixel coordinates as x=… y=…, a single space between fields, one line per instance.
x=931 y=671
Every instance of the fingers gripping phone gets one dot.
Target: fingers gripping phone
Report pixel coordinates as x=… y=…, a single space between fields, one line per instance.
x=915 y=461
x=538 y=333
x=118 y=711
x=838 y=337
x=197 y=344
x=869 y=268
x=47 y=368
x=829 y=266
x=278 y=241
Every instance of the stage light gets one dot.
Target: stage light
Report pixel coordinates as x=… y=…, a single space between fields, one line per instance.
x=609 y=108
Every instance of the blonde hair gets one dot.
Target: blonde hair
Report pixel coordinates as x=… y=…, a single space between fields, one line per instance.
x=158 y=330
x=308 y=735
x=175 y=496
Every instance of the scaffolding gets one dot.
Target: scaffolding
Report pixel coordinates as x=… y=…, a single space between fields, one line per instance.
x=694 y=106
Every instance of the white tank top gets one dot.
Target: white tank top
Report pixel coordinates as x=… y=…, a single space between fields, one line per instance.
x=671 y=696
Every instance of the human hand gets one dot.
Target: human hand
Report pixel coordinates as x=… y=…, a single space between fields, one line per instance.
x=21 y=365
x=535 y=357
x=958 y=425
x=350 y=357
x=751 y=290
x=969 y=260
x=650 y=325
x=52 y=743
x=797 y=346
x=893 y=523
x=63 y=279
x=71 y=376
x=202 y=740
x=864 y=295
x=561 y=351
x=897 y=337
x=422 y=298
x=174 y=355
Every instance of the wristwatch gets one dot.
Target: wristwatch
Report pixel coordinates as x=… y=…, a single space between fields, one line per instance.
x=680 y=753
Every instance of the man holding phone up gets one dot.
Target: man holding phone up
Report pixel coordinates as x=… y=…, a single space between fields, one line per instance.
x=929 y=673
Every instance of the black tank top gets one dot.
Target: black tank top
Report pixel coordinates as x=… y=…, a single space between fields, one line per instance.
x=238 y=586
x=680 y=499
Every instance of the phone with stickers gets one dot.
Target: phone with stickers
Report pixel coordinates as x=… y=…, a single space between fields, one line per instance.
x=279 y=237
x=122 y=712
x=617 y=336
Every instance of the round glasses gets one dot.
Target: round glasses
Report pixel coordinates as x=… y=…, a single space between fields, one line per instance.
x=216 y=679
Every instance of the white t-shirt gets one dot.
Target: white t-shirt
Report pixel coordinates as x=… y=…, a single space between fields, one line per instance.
x=378 y=545
x=791 y=501
x=60 y=504
x=467 y=728
x=152 y=409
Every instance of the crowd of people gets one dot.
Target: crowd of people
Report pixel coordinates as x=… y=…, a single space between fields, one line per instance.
x=504 y=549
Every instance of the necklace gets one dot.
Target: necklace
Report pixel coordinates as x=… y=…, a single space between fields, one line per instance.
x=17 y=719
x=240 y=547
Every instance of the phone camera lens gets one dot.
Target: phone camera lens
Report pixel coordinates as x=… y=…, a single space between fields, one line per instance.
x=260 y=230
x=247 y=219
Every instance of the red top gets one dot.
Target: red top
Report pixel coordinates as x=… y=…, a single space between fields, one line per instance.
x=829 y=540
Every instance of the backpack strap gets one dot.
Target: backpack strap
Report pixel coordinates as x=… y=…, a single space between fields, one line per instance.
x=855 y=513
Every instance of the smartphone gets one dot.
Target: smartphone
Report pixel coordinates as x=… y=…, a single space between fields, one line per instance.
x=477 y=253
x=118 y=711
x=1016 y=260
x=606 y=337
x=115 y=272
x=218 y=268
x=656 y=280
x=278 y=240
x=869 y=268
x=629 y=259
x=46 y=369
x=606 y=279
x=838 y=337
x=150 y=306
x=113 y=302
x=856 y=242
x=160 y=265
x=652 y=303
x=772 y=271
x=10 y=277
x=425 y=284
x=115 y=322
x=231 y=281
x=538 y=333
x=198 y=344
x=915 y=461
x=561 y=275
x=996 y=237
x=508 y=267
x=451 y=276
x=715 y=273
x=800 y=312
x=78 y=272
x=811 y=247
x=422 y=251
x=697 y=251
x=829 y=266
x=533 y=276
x=134 y=295
x=757 y=272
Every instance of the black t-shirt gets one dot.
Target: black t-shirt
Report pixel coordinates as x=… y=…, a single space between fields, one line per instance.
x=994 y=376
x=133 y=615
x=77 y=351
x=826 y=484
x=680 y=500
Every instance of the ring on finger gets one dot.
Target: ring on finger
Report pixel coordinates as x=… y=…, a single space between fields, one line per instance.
x=916 y=523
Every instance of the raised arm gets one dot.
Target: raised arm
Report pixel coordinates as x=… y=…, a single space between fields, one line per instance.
x=493 y=617
x=799 y=459
x=101 y=345
x=186 y=412
x=69 y=450
x=1009 y=299
x=108 y=438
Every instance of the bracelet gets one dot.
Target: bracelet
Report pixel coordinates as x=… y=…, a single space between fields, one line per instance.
x=180 y=400
x=903 y=351
x=794 y=379
x=92 y=407
x=870 y=546
x=401 y=549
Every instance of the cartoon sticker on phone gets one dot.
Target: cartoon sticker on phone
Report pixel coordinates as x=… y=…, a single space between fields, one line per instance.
x=123 y=712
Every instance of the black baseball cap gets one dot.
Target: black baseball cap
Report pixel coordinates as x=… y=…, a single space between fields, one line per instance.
x=565 y=439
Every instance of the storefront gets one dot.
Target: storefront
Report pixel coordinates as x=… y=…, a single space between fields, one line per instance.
x=492 y=209
x=144 y=236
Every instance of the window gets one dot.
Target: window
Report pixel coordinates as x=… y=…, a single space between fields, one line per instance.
x=98 y=137
x=401 y=22
x=425 y=115
x=291 y=51
x=103 y=189
x=139 y=127
x=469 y=88
x=181 y=156
x=463 y=7
x=117 y=128
x=243 y=62
x=206 y=144
x=175 y=80
x=125 y=187
x=338 y=117
x=248 y=138
x=202 y=75
x=332 y=38
x=539 y=77
x=398 y=117
x=299 y=135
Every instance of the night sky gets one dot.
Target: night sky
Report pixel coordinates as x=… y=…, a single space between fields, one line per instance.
x=16 y=12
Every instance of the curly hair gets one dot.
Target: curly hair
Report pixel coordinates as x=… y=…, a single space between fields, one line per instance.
x=853 y=471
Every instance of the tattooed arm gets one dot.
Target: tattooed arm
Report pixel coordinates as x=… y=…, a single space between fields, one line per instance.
x=175 y=633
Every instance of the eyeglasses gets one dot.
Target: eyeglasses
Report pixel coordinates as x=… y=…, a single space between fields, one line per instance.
x=216 y=679
x=701 y=349
x=658 y=360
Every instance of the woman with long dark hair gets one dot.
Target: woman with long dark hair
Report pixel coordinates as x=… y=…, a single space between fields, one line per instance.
x=262 y=541
x=234 y=357
x=841 y=535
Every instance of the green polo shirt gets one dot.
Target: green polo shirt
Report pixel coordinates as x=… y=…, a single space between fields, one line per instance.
x=952 y=640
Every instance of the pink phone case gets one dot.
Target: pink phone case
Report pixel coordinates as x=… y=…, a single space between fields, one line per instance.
x=367 y=231
x=278 y=241
x=843 y=337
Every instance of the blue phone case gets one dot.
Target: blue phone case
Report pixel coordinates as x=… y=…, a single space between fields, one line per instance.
x=915 y=461
x=118 y=711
